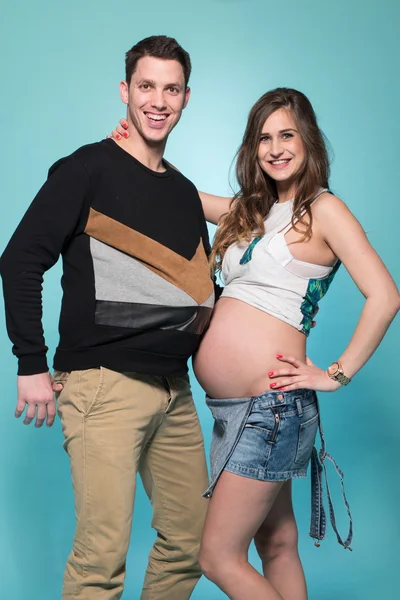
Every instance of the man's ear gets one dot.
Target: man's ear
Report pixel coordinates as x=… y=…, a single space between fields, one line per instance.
x=187 y=96
x=124 y=92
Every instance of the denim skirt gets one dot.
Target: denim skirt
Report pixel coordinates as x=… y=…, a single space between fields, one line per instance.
x=278 y=437
x=269 y=437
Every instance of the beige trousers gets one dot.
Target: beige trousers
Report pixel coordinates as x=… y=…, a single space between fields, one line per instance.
x=115 y=425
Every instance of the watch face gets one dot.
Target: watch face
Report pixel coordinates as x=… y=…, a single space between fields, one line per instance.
x=333 y=369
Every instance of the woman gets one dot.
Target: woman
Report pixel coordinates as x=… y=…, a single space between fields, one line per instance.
x=279 y=244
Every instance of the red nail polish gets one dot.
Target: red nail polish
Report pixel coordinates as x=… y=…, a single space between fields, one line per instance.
x=270 y=374
x=272 y=385
x=279 y=355
x=281 y=388
x=118 y=136
x=125 y=134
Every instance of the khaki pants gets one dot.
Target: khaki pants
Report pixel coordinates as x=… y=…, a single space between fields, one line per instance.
x=115 y=425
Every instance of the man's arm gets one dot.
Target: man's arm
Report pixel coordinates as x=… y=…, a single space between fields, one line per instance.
x=52 y=218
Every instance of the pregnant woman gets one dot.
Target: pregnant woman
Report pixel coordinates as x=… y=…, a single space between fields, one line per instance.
x=279 y=244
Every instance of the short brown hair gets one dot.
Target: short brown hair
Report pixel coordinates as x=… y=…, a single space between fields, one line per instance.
x=158 y=46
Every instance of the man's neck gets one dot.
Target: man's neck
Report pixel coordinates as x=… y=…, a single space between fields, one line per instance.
x=149 y=156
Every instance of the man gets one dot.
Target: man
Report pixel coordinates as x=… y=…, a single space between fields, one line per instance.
x=137 y=296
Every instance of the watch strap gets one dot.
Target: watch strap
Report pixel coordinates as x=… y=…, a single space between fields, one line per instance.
x=339 y=375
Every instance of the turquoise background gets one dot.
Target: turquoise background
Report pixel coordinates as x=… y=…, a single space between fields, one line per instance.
x=60 y=67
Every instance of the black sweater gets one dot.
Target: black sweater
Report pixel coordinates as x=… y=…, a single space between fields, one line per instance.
x=137 y=293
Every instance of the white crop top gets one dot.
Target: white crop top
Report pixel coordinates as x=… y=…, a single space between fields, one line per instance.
x=265 y=275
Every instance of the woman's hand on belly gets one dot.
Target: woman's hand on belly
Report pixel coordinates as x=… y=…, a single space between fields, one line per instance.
x=301 y=375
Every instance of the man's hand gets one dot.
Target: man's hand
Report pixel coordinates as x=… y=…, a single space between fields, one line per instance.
x=36 y=392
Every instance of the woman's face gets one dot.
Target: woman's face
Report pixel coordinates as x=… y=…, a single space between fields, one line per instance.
x=281 y=152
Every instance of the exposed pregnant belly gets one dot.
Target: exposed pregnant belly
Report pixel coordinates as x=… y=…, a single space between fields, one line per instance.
x=239 y=350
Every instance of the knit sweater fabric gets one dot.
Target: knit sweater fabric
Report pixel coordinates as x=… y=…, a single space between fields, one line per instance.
x=137 y=291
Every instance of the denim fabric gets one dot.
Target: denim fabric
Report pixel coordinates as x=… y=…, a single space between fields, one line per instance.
x=318 y=516
x=271 y=437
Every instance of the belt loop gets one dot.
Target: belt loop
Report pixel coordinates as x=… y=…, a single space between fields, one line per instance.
x=299 y=407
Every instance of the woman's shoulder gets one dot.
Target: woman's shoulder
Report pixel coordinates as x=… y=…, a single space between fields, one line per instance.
x=331 y=215
x=327 y=205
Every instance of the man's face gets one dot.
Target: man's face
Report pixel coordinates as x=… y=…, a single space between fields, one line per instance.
x=155 y=97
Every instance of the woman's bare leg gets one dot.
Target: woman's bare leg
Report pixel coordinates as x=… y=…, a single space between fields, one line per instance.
x=276 y=543
x=237 y=509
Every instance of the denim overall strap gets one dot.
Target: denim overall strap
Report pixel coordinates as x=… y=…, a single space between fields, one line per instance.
x=318 y=517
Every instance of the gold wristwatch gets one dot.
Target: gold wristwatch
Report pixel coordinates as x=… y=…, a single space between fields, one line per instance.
x=335 y=372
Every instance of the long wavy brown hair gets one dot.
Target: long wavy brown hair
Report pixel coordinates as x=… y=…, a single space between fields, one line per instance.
x=257 y=191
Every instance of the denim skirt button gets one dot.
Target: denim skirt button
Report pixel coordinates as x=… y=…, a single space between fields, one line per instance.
x=280 y=397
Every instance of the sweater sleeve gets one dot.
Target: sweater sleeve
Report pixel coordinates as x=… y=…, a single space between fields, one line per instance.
x=49 y=223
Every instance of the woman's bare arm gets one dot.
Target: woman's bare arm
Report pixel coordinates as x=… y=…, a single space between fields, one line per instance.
x=345 y=236
x=347 y=239
x=214 y=206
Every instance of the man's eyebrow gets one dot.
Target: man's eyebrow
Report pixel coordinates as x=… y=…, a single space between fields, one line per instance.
x=150 y=81
x=178 y=85
x=154 y=84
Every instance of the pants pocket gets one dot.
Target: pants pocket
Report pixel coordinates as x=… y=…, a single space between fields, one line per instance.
x=307 y=432
x=90 y=390
x=82 y=390
x=60 y=377
x=266 y=420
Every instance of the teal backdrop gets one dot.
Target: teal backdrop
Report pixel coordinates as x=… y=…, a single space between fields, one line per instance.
x=60 y=67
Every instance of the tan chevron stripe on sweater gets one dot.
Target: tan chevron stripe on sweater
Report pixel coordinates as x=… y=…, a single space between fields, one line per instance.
x=188 y=275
